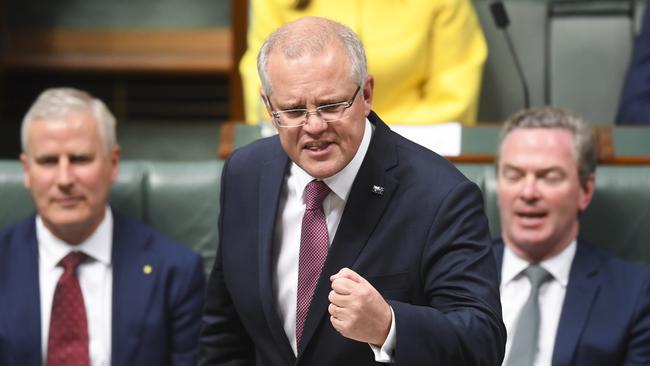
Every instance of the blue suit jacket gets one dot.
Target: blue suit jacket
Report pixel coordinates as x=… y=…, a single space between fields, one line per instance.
x=156 y=317
x=605 y=318
x=423 y=243
x=635 y=99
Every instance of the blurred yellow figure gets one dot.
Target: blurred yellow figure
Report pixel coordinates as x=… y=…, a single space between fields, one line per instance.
x=426 y=56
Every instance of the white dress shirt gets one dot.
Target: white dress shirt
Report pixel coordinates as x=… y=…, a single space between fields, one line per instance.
x=515 y=288
x=95 y=278
x=287 y=235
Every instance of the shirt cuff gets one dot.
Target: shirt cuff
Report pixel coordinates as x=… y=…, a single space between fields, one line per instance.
x=385 y=353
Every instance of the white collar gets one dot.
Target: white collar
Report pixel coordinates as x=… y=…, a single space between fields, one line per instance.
x=559 y=266
x=341 y=182
x=98 y=246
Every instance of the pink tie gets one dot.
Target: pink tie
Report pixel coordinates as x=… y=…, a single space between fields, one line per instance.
x=314 y=244
x=68 y=338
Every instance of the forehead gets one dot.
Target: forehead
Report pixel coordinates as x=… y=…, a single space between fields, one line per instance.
x=74 y=127
x=538 y=146
x=310 y=69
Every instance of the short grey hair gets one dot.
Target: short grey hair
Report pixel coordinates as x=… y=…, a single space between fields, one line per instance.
x=313 y=35
x=59 y=102
x=584 y=142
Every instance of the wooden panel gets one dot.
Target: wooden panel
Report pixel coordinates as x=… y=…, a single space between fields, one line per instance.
x=184 y=51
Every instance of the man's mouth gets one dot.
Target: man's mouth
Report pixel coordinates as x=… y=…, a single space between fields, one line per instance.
x=316 y=145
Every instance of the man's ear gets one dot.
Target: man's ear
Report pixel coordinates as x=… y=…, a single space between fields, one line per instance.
x=587 y=192
x=24 y=160
x=368 y=89
x=267 y=104
x=114 y=157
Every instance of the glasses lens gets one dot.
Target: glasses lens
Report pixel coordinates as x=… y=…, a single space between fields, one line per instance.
x=331 y=113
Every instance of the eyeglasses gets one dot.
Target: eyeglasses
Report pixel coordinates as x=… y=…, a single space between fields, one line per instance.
x=298 y=117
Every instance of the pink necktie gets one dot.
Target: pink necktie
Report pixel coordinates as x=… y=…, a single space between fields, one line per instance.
x=68 y=338
x=314 y=244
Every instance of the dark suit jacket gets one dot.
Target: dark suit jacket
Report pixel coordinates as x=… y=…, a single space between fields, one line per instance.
x=156 y=317
x=605 y=318
x=635 y=99
x=424 y=244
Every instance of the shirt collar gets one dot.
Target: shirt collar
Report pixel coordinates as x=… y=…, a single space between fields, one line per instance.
x=98 y=246
x=341 y=182
x=558 y=266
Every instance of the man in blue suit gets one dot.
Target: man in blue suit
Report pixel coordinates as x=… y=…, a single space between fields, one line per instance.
x=593 y=308
x=634 y=108
x=131 y=296
x=396 y=248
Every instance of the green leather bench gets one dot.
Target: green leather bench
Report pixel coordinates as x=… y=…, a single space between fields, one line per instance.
x=181 y=199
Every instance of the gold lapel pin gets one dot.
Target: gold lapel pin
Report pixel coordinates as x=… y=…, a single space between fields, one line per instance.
x=147 y=269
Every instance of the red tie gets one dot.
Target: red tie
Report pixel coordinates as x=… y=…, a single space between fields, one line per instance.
x=314 y=244
x=67 y=344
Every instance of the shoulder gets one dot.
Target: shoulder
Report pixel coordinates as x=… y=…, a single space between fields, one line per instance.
x=21 y=230
x=250 y=157
x=616 y=271
x=154 y=242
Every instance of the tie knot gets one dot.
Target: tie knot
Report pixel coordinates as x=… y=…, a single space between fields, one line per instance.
x=537 y=275
x=71 y=261
x=315 y=194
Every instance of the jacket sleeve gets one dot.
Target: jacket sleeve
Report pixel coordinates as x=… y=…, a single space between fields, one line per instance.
x=460 y=322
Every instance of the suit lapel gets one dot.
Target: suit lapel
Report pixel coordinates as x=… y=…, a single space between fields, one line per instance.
x=270 y=188
x=133 y=284
x=361 y=214
x=583 y=286
x=23 y=314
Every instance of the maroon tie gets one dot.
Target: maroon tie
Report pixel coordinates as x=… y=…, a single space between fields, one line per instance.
x=314 y=244
x=67 y=343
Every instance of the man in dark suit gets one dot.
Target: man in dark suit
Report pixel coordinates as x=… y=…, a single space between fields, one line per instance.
x=634 y=108
x=80 y=284
x=396 y=249
x=592 y=308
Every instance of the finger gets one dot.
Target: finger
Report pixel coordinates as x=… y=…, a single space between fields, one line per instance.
x=335 y=298
x=332 y=310
x=343 y=286
x=336 y=323
x=351 y=275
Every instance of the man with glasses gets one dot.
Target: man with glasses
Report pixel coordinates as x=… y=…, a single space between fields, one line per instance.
x=340 y=241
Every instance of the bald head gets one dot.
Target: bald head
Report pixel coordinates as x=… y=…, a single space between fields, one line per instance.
x=314 y=36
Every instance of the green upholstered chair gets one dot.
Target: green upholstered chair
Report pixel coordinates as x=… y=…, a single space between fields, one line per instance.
x=618 y=218
x=180 y=199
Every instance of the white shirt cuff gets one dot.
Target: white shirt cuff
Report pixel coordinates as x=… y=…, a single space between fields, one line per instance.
x=385 y=353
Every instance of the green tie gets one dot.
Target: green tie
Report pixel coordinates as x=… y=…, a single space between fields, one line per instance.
x=524 y=341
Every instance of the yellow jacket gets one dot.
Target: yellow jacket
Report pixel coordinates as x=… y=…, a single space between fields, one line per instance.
x=426 y=56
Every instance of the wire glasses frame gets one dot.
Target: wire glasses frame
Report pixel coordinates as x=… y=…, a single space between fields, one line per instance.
x=288 y=118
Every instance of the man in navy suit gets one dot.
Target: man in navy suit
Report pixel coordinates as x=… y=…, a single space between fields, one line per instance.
x=408 y=276
x=137 y=295
x=594 y=308
x=634 y=108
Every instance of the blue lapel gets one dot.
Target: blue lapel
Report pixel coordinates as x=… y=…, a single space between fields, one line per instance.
x=132 y=288
x=582 y=289
x=270 y=188
x=19 y=290
x=360 y=216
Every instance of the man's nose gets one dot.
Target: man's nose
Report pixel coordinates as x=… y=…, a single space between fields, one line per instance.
x=314 y=123
x=529 y=190
x=64 y=173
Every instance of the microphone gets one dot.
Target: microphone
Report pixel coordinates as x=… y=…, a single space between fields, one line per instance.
x=500 y=16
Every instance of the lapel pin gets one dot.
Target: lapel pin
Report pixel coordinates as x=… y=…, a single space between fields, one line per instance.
x=147 y=269
x=378 y=190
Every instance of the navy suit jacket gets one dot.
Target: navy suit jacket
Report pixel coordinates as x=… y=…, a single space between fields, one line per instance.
x=635 y=99
x=156 y=316
x=423 y=243
x=605 y=318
